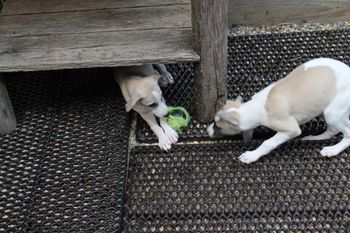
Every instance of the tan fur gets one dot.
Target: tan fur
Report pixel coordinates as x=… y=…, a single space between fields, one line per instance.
x=137 y=82
x=230 y=104
x=228 y=122
x=302 y=95
x=141 y=86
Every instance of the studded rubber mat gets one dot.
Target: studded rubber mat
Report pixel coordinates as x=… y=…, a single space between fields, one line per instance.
x=253 y=63
x=204 y=188
x=63 y=169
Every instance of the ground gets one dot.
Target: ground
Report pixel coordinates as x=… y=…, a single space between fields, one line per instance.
x=79 y=163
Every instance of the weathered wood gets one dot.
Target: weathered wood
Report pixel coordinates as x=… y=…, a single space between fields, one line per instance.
x=129 y=19
x=21 y=7
x=209 y=23
x=1 y=5
x=241 y=12
x=104 y=49
x=95 y=38
x=260 y=12
x=7 y=115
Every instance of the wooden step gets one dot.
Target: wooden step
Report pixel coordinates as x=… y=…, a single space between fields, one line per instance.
x=55 y=34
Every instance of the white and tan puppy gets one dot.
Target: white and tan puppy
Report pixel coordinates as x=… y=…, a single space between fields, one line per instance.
x=319 y=86
x=141 y=91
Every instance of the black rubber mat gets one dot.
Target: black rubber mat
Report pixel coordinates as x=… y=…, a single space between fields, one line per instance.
x=204 y=188
x=63 y=169
x=253 y=63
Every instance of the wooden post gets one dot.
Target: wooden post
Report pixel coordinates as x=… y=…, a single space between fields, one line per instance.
x=209 y=27
x=7 y=115
x=1 y=5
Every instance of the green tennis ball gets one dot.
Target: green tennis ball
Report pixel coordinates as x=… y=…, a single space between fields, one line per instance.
x=178 y=118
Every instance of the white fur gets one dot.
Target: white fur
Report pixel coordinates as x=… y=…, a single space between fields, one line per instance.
x=256 y=105
x=253 y=113
x=126 y=77
x=211 y=130
x=341 y=70
x=162 y=109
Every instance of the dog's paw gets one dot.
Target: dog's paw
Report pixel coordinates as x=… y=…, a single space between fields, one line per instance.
x=171 y=134
x=170 y=78
x=249 y=157
x=164 y=143
x=308 y=138
x=329 y=151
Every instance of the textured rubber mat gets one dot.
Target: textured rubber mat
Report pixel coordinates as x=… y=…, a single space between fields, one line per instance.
x=63 y=169
x=253 y=63
x=204 y=188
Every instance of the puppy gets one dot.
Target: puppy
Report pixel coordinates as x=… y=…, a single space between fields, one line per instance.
x=141 y=91
x=319 y=86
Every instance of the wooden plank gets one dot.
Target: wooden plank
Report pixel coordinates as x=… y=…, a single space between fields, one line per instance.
x=7 y=115
x=104 y=49
x=209 y=21
x=19 y=7
x=96 y=21
x=95 y=38
x=260 y=12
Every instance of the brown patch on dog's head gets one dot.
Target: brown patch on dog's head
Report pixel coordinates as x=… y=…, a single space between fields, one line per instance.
x=227 y=123
x=227 y=119
x=231 y=104
x=146 y=96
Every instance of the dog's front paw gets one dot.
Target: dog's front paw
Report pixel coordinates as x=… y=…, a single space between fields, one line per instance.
x=329 y=151
x=249 y=157
x=164 y=143
x=171 y=134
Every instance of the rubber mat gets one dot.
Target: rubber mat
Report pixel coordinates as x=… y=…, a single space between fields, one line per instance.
x=63 y=169
x=204 y=188
x=253 y=63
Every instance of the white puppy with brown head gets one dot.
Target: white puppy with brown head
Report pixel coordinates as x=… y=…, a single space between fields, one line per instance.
x=141 y=91
x=319 y=86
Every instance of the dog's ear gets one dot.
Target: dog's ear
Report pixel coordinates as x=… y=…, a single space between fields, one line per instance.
x=232 y=117
x=235 y=103
x=131 y=103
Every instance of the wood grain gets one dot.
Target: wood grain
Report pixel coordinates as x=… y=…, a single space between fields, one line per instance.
x=95 y=38
x=209 y=26
x=96 y=21
x=262 y=12
x=104 y=49
x=21 y=7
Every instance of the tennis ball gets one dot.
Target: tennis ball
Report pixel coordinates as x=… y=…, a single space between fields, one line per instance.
x=178 y=118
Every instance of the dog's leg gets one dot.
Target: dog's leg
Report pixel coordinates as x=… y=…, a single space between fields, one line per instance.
x=330 y=151
x=334 y=150
x=166 y=78
x=170 y=132
x=329 y=133
x=286 y=130
x=337 y=116
x=163 y=139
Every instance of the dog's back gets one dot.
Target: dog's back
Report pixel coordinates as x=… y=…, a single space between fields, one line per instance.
x=122 y=72
x=309 y=89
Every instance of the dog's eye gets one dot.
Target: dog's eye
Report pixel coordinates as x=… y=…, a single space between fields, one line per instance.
x=153 y=105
